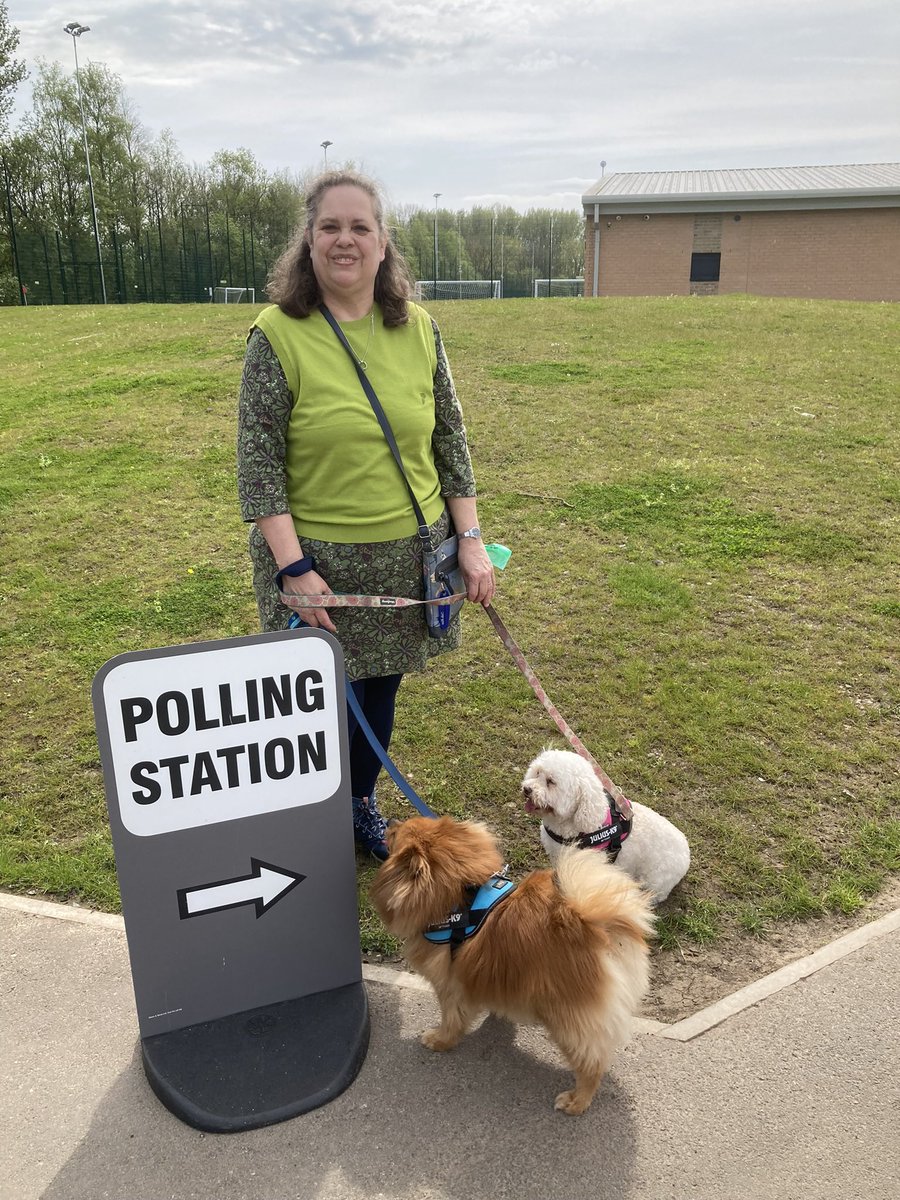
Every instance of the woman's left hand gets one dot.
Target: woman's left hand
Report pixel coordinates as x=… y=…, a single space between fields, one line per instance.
x=477 y=569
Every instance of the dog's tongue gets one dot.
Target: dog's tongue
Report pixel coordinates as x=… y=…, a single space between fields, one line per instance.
x=530 y=806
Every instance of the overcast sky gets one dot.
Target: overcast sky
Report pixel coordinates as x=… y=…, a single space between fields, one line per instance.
x=507 y=101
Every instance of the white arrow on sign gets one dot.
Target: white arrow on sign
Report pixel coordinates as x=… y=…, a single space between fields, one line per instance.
x=263 y=887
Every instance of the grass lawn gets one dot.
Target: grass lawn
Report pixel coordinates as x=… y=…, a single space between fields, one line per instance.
x=703 y=502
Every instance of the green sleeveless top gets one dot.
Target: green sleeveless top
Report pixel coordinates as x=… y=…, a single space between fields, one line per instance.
x=343 y=484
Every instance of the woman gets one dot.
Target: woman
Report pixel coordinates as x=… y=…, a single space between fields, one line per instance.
x=330 y=508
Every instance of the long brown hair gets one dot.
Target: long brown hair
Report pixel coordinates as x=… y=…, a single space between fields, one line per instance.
x=292 y=281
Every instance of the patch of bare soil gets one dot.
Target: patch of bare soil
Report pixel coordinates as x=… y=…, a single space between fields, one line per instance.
x=686 y=980
x=692 y=977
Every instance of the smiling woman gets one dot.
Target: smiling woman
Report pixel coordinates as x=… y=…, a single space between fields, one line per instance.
x=347 y=249
x=298 y=280
x=330 y=510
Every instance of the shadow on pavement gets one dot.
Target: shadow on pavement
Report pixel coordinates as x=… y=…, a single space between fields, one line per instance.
x=478 y=1122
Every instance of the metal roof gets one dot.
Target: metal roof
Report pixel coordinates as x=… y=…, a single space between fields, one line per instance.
x=752 y=183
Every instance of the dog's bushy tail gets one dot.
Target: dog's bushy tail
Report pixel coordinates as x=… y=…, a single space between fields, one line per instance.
x=604 y=895
x=618 y=912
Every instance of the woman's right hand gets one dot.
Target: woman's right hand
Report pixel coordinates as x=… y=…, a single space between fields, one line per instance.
x=310 y=584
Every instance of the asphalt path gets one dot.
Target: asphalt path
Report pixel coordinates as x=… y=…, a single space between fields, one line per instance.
x=788 y=1090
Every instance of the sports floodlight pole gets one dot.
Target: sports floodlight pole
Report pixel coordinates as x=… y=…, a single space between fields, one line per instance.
x=492 y=257
x=325 y=146
x=550 y=263
x=74 y=29
x=436 y=194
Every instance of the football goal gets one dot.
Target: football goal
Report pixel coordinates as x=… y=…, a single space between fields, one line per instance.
x=559 y=287
x=234 y=295
x=459 y=289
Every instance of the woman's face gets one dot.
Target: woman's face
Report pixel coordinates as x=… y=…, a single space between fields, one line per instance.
x=346 y=244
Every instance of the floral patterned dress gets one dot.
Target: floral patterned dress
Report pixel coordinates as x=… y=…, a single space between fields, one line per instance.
x=375 y=641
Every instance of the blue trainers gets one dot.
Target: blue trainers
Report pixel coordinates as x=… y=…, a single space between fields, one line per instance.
x=369 y=827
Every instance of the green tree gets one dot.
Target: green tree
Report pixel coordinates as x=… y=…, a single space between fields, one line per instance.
x=53 y=176
x=12 y=72
x=48 y=160
x=116 y=138
x=413 y=232
x=172 y=230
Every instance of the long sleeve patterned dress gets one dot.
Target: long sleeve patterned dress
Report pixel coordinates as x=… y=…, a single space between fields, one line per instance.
x=375 y=641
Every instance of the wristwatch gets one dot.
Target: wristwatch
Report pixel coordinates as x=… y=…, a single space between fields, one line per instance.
x=474 y=532
x=295 y=569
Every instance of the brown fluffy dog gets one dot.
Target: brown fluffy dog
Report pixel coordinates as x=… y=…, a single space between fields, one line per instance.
x=567 y=950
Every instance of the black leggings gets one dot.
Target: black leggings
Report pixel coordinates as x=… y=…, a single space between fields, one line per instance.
x=377 y=698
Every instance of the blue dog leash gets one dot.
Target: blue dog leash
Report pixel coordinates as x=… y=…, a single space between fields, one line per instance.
x=405 y=787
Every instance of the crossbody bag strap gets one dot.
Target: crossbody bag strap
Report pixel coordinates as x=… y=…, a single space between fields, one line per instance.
x=424 y=533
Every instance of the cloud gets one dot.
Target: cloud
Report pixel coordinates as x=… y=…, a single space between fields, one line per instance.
x=499 y=98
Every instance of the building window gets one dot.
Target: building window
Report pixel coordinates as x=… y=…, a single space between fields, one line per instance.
x=705 y=268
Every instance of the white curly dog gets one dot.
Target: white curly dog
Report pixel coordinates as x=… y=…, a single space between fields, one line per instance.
x=575 y=808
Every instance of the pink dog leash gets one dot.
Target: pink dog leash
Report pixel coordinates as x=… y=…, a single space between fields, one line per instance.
x=621 y=801
x=355 y=600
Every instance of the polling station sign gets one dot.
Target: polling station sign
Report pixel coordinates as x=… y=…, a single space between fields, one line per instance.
x=227 y=785
x=243 y=732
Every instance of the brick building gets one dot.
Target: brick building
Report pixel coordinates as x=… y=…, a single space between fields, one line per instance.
x=816 y=232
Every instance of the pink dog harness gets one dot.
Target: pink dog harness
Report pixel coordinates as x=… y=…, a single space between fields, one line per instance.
x=609 y=837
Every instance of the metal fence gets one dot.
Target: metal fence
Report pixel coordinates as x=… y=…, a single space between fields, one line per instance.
x=162 y=266
x=182 y=260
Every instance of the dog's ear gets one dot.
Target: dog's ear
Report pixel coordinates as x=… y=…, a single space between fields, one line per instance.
x=412 y=874
x=595 y=783
x=475 y=853
x=583 y=786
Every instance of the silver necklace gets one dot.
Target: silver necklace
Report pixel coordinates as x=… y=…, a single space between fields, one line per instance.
x=363 y=365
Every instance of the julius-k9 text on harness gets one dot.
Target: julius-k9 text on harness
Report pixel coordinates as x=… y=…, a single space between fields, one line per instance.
x=468 y=918
x=609 y=836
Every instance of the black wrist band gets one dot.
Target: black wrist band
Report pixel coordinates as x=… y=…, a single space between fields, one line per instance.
x=300 y=567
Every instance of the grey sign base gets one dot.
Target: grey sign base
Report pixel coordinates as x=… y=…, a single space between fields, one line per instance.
x=261 y=1066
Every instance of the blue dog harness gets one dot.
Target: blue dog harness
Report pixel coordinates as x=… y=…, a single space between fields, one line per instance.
x=466 y=920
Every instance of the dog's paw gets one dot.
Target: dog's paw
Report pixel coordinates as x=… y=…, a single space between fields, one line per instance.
x=568 y=1102
x=436 y=1039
